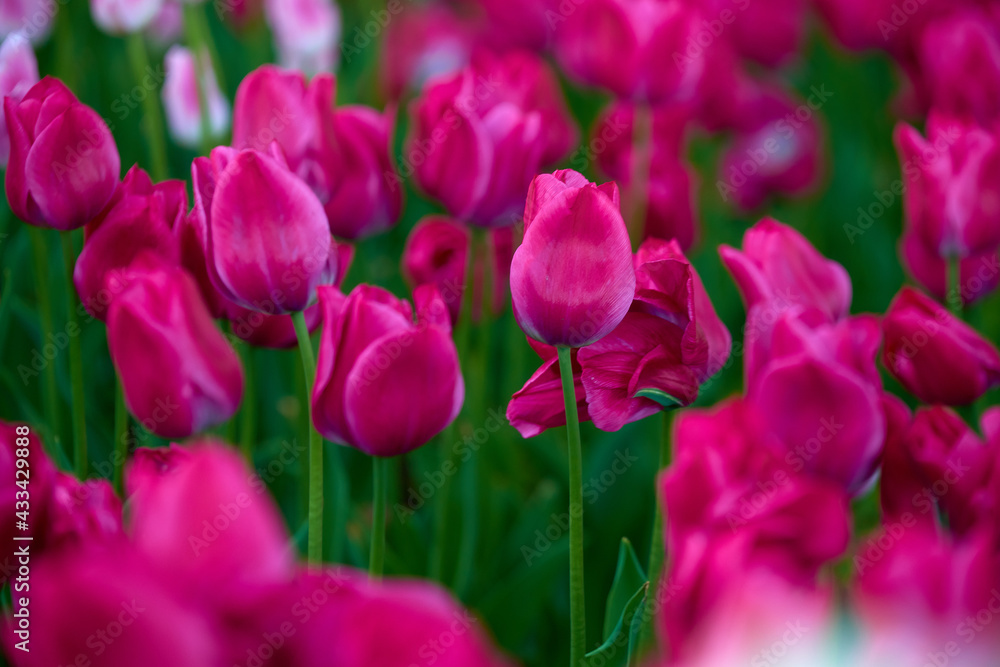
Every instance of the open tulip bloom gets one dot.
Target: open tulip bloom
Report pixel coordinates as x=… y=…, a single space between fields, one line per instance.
x=293 y=389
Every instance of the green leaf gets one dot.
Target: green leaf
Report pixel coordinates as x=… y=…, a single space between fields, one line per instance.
x=625 y=600
x=661 y=397
x=629 y=576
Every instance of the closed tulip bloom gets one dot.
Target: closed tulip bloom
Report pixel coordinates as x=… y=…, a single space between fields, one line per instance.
x=436 y=253
x=124 y=16
x=34 y=17
x=81 y=512
x=937 y=357
x=141 y=217
x=64 y=164
x=374 y=358
x=572 y=279
x=181 y=98
x=476 y=147
x=268 y=244
x=179 y=374
x=276 y=104
x=779 y=266
x=306 y=33
x=18 y=73
x=167 y=26
x=422 y=43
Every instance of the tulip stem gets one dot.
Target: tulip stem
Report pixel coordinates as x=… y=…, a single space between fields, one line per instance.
x=657 y=547
x=78 y=407
x=954 y=291
x=193 y=25
x=153 y=118
x=577 y=608
x=377 y=556
x=121 y=438
x=41 y=252
x=642 y=135
x=314 y=549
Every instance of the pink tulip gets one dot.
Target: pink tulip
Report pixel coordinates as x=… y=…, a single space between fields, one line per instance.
x=179 y=374
x=275 y=104
x=167 y=26
x=769 y=32
x=50 y=127
x=239 y=13
x=959 y=58
x=209 y=524
x=436 y=253
x=520 y=24
x=422 y=43
x=979 y=274
x=479 y=136
x=571 y=279
x=82 y=511
x=181 y=99
x=32 y=18
x=147 y=465
x=18 y=73
x=141 y=217
x=538 y=405
x=267 y=242
x=642 y=50
x=882 y=24
x=306 y=33
x=779 y=267
x=124 y=16
x=371 y=356
x=40 y=476
x=937 y=357
x=950 y=182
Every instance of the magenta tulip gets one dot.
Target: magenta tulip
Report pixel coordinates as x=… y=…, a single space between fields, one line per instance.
x=937 y=357
x=267 y=242
x=637 y=49
x=141 y=217
x=475 y=148
x=21 y=441
x=436 y=253
x=306 y=33
x=275 y=104
x=81 y=512
x=124 y=16
x=424 y=42
x=179 y=374
x=372 y=355
x=64 y=164
x=572 y=279
x=18 y=73
x=181 y=98
x=769 y=32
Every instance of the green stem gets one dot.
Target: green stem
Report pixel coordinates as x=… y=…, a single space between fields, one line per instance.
x=193 y=24
x=377 y=556
x=121 y=438
x=342 y=500
x=657 y=547
x=953 y=296
x=577 y=608
x=439 y=545
x=73 y=331
x=41 y=252
x=642 y=134
x=314 y=550
x=153 y=115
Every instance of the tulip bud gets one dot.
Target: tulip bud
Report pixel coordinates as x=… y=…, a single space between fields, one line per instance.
x=275 y=104
x=937 y=357
x=306 y=33
x=50 y=126
x=267 y=242
x=436 y=253
x=179 y=374
x=18 y=73
x=141 y=217
x=371 y=356
x=571 y=280
x=182 y=101
x=124 y=16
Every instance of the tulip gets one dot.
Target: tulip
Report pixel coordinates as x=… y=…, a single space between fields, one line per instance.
x=18 y=73
x=935 y=356
x=479 y=136
x=181 y=98
x=638 y=49
x=50 y=126
x=239 y=13
x=32 y=17
x=167 y=26
x=436 y=253
x=420 y=44
x=306 y=33
x=22 y=441
x=881 y=24
x=179 y=374
x=81 y=512
x=978 y=275
x=267 y=243
x=141 y=217
x=571 y=279
x=275 y=104
x=959 y=57
x=520 y=24
x=371 y=356
x=778 y=267
x=769 y=32
x=124 y=16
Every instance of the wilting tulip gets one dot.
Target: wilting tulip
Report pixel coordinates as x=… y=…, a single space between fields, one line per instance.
x=572 y=279
x=182 y=101
x=436 y=253
x=141 y=217
x=937 y=357
x=124 y=16
x=780 y=268
x=179 y=374
x=479 y=136
x=643 y=50
x=959 y=56
x=267 y=242
x=18 y=73
x=371 y=356
x=424 y=42
x=306 y=33
x=50 y=126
